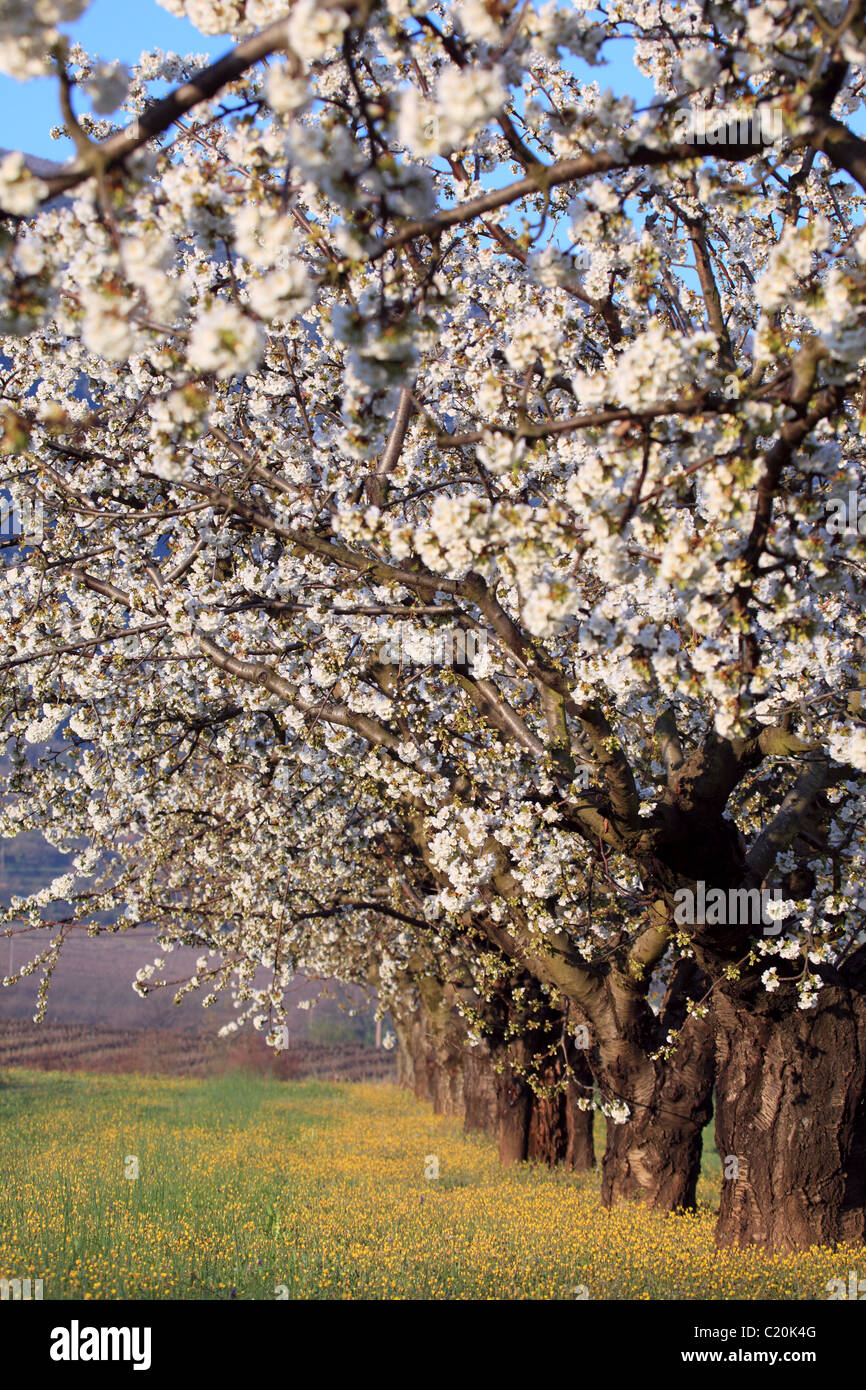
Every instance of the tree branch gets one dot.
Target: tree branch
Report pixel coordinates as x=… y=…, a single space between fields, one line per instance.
x=783 y=828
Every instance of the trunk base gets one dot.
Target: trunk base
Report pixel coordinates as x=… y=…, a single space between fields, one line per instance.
x=791 y=1122
x=654 y=1157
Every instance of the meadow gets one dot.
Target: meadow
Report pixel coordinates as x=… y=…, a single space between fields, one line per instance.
x=250 y=1188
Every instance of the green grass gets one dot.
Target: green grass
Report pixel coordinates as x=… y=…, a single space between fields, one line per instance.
x=252 y=1188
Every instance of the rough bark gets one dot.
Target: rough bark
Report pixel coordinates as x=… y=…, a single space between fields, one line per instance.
x=497 y=1099
x=514 y=1109
x=541 y=1121
x=560 y=1131
x=655 y=1156
x=791 y=1119
x=547 y=1131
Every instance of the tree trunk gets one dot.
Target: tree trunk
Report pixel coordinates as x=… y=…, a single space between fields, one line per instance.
x=445 y=1045
x=655 y=1155
x=514 y=1110
x=431 y=1041
x=580 y=1149
x=791 y=1120
x=500 y=1100
x=423 y=1061
x=406 y=1045
x=560 y=1132
x=547 y=1137
x=480 y=1093
x=497 y=1100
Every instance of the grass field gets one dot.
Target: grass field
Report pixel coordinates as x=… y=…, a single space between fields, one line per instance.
x=251 y=1188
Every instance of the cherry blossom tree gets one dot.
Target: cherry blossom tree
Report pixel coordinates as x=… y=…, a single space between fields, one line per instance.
x=390 y=326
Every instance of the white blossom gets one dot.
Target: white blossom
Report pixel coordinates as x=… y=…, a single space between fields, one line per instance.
x=20 y=191
x=224 y=341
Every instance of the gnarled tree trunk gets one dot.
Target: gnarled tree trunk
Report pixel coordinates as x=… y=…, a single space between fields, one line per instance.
x=791 y=1119
x=655 y=1156
x=560 y=1131
x=497 y=1098
x=547 y=1135
x=518 y=1091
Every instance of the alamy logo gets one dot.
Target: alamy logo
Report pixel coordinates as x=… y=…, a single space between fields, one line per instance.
x=440 y=646
x=21 y=521
x=762 y=127
x=20 y=1289
x=848 y=516
x=76 y=1343
x=856 y=1287
x=736 y=906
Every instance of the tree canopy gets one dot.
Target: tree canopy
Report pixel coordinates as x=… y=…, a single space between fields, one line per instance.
x=448 y=477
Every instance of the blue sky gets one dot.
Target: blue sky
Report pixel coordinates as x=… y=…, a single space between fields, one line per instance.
x=112 y=29
x=126 y=28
